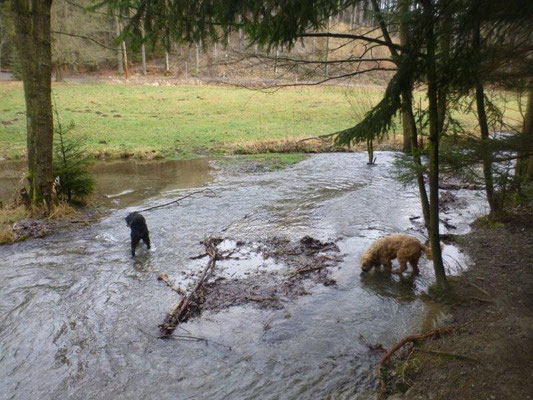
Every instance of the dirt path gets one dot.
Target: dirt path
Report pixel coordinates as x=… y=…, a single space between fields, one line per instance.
x=495 y=304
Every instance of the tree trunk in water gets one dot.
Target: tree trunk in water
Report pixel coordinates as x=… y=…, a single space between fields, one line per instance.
x=409 y=118
x=406 y=124
x=120 y=61
x=33 y=41
x=487 y=163
x=434 y=139
x=483 y=125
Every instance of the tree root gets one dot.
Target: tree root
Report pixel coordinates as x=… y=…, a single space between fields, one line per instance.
x=446 y=354
x=408 y=339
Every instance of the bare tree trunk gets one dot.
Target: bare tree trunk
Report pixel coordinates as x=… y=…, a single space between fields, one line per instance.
x=120 y=61
x=197 y=59
x=33 y=41
x=326 y=69
x=239 y=20
x=528 y=133
x=524 y=163
x=407 y=106
x=434 y=139
x=408 y=121
x=483 y=126
x=167 y=63
x=143 y=51
x=124 y=56
x=276 y=63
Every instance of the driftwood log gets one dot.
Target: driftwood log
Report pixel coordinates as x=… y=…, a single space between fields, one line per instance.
x=178 y=312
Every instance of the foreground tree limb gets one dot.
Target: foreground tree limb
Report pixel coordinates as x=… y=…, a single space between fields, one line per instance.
x=179 y=310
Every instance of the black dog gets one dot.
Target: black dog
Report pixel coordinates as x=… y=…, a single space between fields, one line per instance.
x=139 y=230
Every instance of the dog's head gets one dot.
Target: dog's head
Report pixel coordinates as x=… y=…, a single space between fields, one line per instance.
x=367 y=262
x=130 y=217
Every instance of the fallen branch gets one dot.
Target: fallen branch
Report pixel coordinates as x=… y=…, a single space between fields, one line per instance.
x=480 y=299
x=305 y=270
x=399 y=345
x=480 y=289
x=320 y=137
x=177 y=200
x=164 y=277
x=178 y=312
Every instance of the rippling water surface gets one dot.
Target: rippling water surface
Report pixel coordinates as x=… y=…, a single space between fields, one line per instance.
x=79 y=317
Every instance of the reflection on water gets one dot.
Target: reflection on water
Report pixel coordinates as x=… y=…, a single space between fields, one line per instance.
x=79 y=318
x=124 y=183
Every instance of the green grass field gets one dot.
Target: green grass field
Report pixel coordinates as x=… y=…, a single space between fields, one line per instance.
x=186 y=121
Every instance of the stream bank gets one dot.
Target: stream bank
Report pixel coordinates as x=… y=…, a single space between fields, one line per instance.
x=491 y=355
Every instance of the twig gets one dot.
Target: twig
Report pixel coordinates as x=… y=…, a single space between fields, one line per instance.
x=480 y=289
x=199 y=339
x=198 y=256
x=304 y=270
x=177 y=200
x=164 y=277
x=480 y=299
x=446 y=354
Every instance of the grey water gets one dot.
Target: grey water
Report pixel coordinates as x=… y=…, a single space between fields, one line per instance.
x=79 y=317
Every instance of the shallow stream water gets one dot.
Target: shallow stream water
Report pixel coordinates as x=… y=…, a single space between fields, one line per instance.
x=79 y=317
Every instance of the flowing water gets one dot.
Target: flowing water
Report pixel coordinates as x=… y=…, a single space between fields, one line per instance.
x=79 y=317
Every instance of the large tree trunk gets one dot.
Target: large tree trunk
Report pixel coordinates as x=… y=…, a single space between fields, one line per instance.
x=409 y=123
x=33 y=41
x=404 y=38
x=434 y=139
x=483 y=126
x=409 y=118
x=120 y=61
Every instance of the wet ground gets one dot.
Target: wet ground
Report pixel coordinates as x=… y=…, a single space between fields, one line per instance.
x=79 y=317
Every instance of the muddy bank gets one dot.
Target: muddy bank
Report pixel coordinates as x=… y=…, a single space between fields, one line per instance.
x=304 y=264
x=491 y=355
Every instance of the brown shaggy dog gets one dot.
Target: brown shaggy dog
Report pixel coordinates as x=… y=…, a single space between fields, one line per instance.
x=383 y=251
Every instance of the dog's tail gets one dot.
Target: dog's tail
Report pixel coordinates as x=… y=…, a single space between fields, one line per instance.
x=427 y=250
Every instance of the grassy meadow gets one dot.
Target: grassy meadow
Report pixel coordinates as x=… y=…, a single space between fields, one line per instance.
x=144 y=121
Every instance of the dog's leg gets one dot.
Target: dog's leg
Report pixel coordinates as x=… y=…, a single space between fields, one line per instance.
x=146 y=240
x=134 y=242
x=388 y=265
x=414 y=264
x=403 y=266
